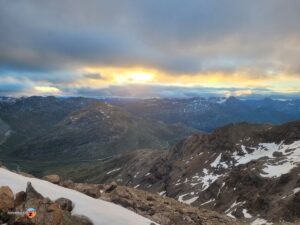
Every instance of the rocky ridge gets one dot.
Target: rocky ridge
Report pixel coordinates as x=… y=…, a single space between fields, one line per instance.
x=48 y=212
x=163 y=210
x=247 y=171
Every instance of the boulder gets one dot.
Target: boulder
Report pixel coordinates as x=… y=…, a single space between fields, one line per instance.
x=48 y=212
x=20 y=198
x=67 y=184
x=82 y=220
x=65 y=204
x=112 y=186
x=55 y=179
x=6 y=198
x=31 y=193
x=91 y=190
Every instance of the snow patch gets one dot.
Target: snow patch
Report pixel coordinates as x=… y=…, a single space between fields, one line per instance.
x=188 y=201
x=112 y=171
x=273 y=168
x=260 y=221
x=230 y=215
x=99 y=211
x=246 y=214
x=163 y=193
x=209 y=201
x=217 y=161
x=208 y=179
x=296 y=190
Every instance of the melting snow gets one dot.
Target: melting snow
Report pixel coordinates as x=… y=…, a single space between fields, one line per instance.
x=263 y=150
x=223 y=184
x=260 y=221
x=208 y=179
x=163 y=193
x=191 y=200
x=209 y=201
x=188 y=201
x=232 y=207
x=230 y=215
x=296 y=190
x=99 y=211
x=217 y=161
x=290 y=159
x=246 y=214
x=114 y=170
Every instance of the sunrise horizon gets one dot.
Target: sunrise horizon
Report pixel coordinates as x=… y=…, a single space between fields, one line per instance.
x=200 y=48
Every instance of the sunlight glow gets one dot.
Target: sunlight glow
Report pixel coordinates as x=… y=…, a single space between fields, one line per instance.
x=282 y=82
x=47 y=90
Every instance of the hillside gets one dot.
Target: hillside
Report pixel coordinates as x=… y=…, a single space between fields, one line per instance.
x=246 y=171
x=34 y=116
x=95 y=130
x=4 y=131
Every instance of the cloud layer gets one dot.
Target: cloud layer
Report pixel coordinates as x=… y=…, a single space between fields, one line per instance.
x=51 y=43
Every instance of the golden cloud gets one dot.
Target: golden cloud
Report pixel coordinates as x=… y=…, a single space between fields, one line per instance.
x=139 y=75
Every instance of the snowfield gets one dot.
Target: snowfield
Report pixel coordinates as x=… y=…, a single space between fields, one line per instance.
x=99 y=211
x=274 y=167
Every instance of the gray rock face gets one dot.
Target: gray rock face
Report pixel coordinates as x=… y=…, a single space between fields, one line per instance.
x=243 y=170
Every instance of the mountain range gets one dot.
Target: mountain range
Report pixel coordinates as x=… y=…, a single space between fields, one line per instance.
x=51 y=128
x=247 y=171
x=207 y=114
x=180 y=148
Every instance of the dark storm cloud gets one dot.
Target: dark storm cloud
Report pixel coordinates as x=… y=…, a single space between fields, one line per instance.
x=174 y=35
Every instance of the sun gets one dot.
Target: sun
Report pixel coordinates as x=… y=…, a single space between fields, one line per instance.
x=134 y=77
x=140 y=77
x=122 y=76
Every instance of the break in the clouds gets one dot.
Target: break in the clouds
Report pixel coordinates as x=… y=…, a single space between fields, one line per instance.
x=64 y=46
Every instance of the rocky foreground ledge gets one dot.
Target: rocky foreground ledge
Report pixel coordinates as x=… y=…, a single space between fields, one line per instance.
x=163 y=210
x=48 y=212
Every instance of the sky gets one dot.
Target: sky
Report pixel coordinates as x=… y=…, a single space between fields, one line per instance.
x=150 y=48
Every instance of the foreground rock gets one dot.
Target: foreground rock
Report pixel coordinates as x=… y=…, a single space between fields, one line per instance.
x=55 y=179
x=92 y=190
x=163 y=210
x=6 y=198
x=48 y=212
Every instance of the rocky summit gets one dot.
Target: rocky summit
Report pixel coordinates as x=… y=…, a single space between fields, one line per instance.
x=47 y=211
x=247 y=171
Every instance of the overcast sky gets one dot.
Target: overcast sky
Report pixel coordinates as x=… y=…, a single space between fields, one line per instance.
x=167 y=47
